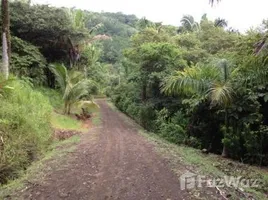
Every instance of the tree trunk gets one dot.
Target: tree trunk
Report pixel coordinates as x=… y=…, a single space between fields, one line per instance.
x=6 y=44
x=5 y=60
x=65 y=108
x=225 y=149
x=69 y=109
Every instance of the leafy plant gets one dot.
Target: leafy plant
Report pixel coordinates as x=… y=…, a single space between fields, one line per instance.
x=212 y=82
x=72 y=84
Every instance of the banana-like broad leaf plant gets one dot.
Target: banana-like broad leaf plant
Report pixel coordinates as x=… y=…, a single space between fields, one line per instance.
x=73 y=85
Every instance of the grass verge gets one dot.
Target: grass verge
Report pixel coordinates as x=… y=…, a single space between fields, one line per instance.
x=64 y=122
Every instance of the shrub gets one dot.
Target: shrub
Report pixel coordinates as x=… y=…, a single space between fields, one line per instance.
x=173 y=133
x=168 y=129
x=193 y=142
x=147 y=116
x=24 y=129
x=133 y=111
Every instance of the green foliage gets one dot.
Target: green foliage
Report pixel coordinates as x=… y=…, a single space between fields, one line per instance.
x=220 y=23
x=73 y=85
x=24 y=128
x=54 y=96
x=47 y=27
x=27 y=61
x=5 y=87
x=169 y=129
x=189 y=24
x=211 y=81
x=88 y=107
x=63 y=122
x=214 y=91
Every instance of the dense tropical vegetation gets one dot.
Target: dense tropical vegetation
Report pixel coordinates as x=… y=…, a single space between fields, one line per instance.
x=201 y=84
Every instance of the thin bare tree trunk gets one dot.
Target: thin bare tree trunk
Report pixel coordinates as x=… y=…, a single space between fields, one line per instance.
x=6 y=44
x=225 y=149
x=5 y=60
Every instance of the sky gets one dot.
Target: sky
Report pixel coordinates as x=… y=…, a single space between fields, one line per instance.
x=240 y=14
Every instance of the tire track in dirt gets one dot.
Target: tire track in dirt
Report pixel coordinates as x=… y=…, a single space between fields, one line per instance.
x=117 y=163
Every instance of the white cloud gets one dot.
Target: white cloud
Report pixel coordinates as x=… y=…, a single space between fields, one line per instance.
x=241 y=14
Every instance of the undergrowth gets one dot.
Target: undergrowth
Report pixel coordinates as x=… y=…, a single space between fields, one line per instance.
x=25 y=129
x=36 y=172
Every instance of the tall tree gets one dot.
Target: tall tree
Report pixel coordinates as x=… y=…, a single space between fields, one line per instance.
x=210 y=82
x=219 y=22
x=189 y=24
x=6 y=44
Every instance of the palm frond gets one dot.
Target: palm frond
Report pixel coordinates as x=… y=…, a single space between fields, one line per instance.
x=212 y=2
x=220 y=94
x=188 y=22
x=77 y=91
x=95 y=28
x=261 y=45
x=223 y=64
x=75 y=76
x=61 y=75
x=88 y=105
x=220 y=23
x=193 y=79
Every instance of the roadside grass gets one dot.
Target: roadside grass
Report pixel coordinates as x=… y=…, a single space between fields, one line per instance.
x=184 y=159
x=52 y=160
x=54 y=97
x=64 y=122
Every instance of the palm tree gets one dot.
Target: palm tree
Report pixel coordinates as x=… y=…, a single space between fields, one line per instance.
x=220 y=23
x=188 y=24
x=72 y=84
x=213 y=1
x=210 y=82
x=144 y=23
x=6 y=44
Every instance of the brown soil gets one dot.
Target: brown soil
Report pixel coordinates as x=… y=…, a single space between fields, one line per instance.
x=111 y=162
x=87 y=124
x=64 y=134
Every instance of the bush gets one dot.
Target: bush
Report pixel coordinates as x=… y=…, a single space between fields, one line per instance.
x=133 y=110
x=173 y=133
x=193 y=142
x=171 y=130
x=147 y=116
x=24 y=129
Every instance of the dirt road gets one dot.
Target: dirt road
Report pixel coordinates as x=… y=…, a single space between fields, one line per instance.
x=117 y=164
